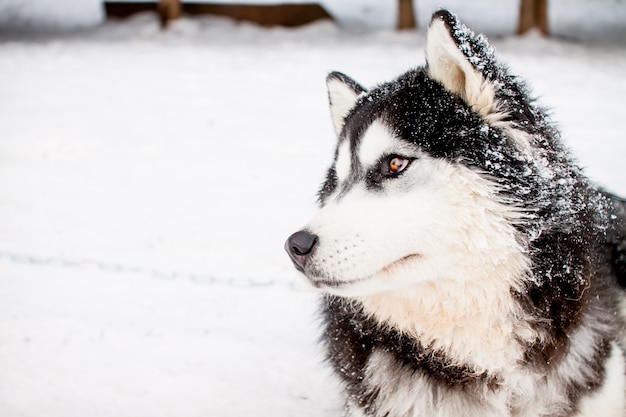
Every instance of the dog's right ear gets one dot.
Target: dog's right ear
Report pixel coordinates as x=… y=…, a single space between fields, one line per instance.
x=343 y=92
x=460 y=60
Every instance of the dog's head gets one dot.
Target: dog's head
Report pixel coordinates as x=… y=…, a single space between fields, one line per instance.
x=432 y=176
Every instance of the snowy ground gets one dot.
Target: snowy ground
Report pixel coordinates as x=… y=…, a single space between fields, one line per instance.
x=148 y=181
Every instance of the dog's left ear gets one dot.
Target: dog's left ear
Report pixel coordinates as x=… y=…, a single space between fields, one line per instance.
x=343 y=92
x=458 y=59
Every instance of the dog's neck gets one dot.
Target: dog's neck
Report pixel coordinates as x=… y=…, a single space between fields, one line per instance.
x=475 y=323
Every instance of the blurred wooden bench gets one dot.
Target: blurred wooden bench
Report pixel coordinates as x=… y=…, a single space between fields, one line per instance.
x=283 y=14
x=532 y=13
x=267 y=13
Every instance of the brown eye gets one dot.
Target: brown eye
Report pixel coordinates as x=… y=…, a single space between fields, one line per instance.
x=393 y=165
x=397 y=165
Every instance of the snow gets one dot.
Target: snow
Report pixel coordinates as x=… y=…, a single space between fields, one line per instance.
x=79 y=341
x=149 y=179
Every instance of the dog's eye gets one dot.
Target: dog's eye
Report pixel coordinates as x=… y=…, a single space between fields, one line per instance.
x=394 y=165
x=397 y=164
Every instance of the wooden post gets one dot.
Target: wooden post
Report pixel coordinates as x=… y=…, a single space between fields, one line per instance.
x=168 y=10
x=533 y=13
x=406 y=15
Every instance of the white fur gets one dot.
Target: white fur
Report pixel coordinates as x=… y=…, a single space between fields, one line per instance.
x=457 y=293
x=344 y=161
x=342 y=101
x=353 y=410
x=376 y=141
x=610 y=399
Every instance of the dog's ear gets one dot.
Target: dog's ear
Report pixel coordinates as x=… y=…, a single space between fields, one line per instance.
x=343 y=92
x=461 y=61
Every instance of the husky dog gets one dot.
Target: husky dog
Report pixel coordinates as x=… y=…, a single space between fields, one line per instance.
x=468 y=266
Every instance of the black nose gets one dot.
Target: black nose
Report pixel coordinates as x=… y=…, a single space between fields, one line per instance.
x=299 y=246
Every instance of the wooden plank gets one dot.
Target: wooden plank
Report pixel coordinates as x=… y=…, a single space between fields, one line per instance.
x=267 y=15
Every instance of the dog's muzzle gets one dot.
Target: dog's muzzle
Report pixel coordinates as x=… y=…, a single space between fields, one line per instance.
x=299 y=246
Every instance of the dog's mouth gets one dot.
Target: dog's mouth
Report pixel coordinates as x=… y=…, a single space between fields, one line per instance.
x=328 y=283
x=320 y=281
x=399 y=263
